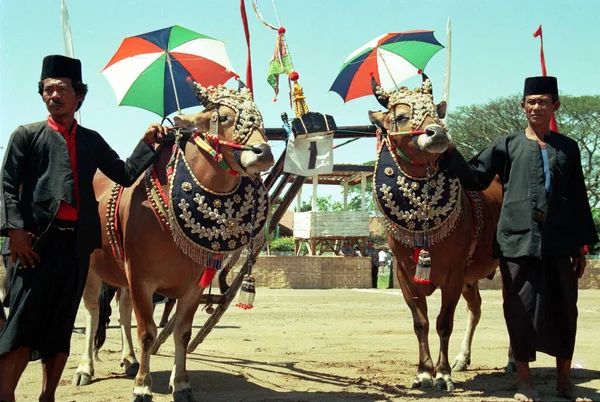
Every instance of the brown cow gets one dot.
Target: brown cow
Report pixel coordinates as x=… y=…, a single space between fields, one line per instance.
x=208 y=210
x=425 y=208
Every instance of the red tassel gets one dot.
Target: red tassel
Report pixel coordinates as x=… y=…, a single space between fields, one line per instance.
x=207 y=277
x=416 y=252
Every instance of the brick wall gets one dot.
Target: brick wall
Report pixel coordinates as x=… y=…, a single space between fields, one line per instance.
x=279 y=272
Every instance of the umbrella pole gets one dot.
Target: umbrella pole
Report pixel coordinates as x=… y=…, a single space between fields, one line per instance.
x=386 y=67
x=173 y=82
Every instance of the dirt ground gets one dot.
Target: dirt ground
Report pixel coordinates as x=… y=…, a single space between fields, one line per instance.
x=329 y=345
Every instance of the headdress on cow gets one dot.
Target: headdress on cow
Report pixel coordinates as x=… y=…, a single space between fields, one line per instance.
x=420 y=100
x=541 y=86
x=55 y=66
x=247 y=115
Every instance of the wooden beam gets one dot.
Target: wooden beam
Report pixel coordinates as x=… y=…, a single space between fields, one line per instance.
x=345 y=184
x=363 y=189
x=353 y=168
x=299 y=200
x=341 y=132
x=314 y=194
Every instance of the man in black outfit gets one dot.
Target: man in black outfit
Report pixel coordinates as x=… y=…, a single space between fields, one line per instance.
x=49 y=211
x=544 y=225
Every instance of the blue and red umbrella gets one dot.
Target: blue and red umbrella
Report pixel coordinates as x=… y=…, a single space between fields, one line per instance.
x=390 y=58
x=150 y=70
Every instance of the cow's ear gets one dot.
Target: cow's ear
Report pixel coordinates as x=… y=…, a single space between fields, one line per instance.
x=186 y=120
x=377 y=118
x=441 y=109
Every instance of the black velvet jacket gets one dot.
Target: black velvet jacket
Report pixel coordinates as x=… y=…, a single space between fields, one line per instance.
x=37 y=174
x=532 y=223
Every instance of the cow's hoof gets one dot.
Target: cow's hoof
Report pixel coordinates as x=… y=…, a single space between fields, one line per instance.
x=443 y=384
x=185 y=395
x=132 y=370
x=511 y=368
x=142 y=398
x=425 y=383
x=82 y=379
x=460 y=365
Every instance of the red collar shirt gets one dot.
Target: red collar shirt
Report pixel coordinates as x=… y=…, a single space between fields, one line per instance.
x=65 y=210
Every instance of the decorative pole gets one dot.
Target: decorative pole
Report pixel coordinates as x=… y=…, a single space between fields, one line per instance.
x=538 y=32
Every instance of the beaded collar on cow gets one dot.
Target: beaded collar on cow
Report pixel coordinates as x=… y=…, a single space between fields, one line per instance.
x=247 y=115
x=405 y=202
x=420 y=100
x=204 y=222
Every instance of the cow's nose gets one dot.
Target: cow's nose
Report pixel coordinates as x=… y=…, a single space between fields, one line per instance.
x=262 y=150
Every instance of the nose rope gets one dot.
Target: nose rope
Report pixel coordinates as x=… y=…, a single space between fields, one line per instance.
x=400 y=153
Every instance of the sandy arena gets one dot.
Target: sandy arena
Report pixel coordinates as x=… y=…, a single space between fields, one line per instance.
x=329 y=345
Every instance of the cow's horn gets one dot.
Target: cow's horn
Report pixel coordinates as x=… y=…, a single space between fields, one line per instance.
x=379 y=93
x=426 y=86
x=199 y=92
x=241 y=84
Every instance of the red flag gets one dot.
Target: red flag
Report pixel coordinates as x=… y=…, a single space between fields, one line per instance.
x=247 y=33
x=538 y=32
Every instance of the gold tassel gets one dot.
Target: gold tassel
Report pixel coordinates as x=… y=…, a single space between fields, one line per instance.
x=423 y=271
x=300 y=106
x=247 y=293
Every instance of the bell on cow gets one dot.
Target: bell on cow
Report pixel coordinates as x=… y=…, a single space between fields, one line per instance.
x=247 y=293
x=423 y=271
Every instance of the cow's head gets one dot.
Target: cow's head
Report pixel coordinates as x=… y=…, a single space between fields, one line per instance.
x=412 y=111
x=235 y=118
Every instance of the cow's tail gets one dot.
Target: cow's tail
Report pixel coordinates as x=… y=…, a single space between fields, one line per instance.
x=107 y=293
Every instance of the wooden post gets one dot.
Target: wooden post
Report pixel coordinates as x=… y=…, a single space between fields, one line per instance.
x=314 y=195
x=345 y=184
x=363 y=190
x=299 y=200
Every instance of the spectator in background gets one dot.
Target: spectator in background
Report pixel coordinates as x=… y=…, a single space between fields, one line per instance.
x=357 y=252
x=347 y=250
x=382 y=259
x=372 y=252
x=390 y=263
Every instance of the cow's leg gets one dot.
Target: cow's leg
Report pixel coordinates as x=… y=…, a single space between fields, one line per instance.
x=179 y=382
x=444 y=325
x=417 y=303
x=85 y=371
x=142 y=302
x=128 y=360
x=473 y=298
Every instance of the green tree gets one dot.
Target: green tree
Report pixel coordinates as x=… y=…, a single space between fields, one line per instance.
x=473 y=128
x=355 y=194
x=324 y=204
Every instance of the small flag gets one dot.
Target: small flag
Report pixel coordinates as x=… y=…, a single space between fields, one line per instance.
x=281 y=63
x=446 y=93
x=66 y=28
x=68 y=41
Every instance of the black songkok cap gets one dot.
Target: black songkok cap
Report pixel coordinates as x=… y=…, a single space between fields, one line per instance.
x=540 y=86
x=55 y=66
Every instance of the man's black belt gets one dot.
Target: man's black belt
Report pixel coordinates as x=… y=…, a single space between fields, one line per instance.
x=539 y=216
x=62 y=224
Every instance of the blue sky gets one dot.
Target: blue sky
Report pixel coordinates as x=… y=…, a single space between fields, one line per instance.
x=493 y=50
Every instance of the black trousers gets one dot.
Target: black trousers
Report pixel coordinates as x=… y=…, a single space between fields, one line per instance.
x=44 y=300
x=540 y=306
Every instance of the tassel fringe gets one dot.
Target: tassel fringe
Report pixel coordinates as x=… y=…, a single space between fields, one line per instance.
x=247 y=293
x=423 y=272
